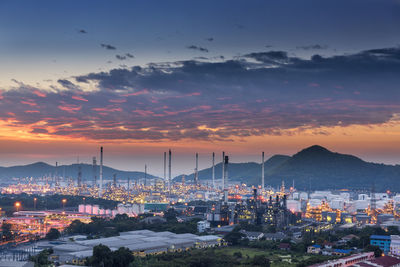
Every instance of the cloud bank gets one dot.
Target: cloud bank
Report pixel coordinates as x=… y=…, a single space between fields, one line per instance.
x=263 y=93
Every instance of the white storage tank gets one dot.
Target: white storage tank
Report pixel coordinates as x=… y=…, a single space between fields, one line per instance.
x=293 y=205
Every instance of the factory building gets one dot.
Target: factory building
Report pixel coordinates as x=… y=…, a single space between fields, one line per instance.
x=140 y=243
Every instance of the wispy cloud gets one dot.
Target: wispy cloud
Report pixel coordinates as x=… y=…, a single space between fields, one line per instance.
x=198 y=48
x=108 y=47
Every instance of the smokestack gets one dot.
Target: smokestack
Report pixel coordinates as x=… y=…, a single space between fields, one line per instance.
x=115 y=180
x=196 y=170
x=262 y=171
x=225 y=164
x=129 y=182
x=145 y=175
x=226 y=160
x=213 y=170
x=56 y=178
x=169 y=171
x=165 y=167
x=101 y=172
x=94 y=171
x=79 y=175
x=223 y=171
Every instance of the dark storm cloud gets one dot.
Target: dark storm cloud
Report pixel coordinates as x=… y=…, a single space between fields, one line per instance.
x=120 y=57
x=108 y=47
x=82 y=31
x=198 y=48
x=210 y=39
x=129 y=55
x=312 y=47
x=271 y=56
x=67 y=84
x=257 y=94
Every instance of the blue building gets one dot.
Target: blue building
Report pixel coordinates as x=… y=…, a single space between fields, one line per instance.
x=381 y=241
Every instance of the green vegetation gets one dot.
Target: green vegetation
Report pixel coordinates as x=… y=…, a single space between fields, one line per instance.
x=41 y=260
x=53 y=234
x=103 y=257
x=122 y=223
x=210 y=257
x=7 y=234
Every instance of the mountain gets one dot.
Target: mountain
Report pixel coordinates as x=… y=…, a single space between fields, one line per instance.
x=245 y=172
x=40 y=169
x=315 y=168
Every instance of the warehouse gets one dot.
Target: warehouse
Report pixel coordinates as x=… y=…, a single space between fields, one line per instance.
x=141 y=243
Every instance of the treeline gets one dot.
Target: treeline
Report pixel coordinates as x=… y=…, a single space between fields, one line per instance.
x=210 y=257
x=122 y=223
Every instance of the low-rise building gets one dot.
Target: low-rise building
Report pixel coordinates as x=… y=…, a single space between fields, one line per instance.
x=202 y=226
x=381 y=241
x=314 y=249
x=252 y=236
x=347 y=261
x=395 y=245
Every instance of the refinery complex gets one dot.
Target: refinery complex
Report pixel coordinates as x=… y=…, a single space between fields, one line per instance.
x=217 y=203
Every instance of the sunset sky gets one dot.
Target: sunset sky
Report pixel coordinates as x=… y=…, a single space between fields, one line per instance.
x=140 y=77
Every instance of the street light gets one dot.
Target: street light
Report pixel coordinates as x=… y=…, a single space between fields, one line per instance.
x=63 y=202
x=34 y=203
x=17 y=205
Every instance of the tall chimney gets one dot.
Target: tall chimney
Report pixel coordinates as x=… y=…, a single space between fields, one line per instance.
x=101 y=172
x=223 y=171
x=262 y=171
x=225 y=163
x=196 y=170
x=226 y=160
x=145 y=175
x=169 y=171
x=213 y=170
x=56 y=178
x=94 y=171
x=165 y=167
x=79 y=175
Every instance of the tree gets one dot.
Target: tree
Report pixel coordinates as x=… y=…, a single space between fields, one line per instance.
x=42 y=259
x=170 y=215
x=234 y=237
x=102 y=256
x=261 y=260
x=122 y=257
x=238 y=254
x=377 y=251
x=6 y=229
x=53 y=234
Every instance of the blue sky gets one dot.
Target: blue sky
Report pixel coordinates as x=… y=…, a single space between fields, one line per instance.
x=140 y=77
x=41 y=39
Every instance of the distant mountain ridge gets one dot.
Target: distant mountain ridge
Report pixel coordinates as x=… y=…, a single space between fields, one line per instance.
x=40 y=169
x=313 y=168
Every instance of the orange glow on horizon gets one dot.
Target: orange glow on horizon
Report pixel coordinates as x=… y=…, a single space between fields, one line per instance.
x=355 y=139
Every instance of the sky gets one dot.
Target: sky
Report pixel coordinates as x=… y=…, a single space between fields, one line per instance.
x=142 y=77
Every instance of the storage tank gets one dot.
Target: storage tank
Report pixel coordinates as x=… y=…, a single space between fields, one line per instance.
x=315 y=202
x=81 y=208
x=337 y=204
x=363 y=197
x=361 y=204
x=293 y=205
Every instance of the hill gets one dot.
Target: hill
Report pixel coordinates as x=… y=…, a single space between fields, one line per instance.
x=315 y=168
x=40 y=169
